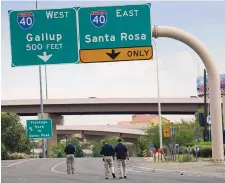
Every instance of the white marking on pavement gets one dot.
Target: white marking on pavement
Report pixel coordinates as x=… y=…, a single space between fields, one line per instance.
x=133 y=170
x=53 y=168
x=165 y=170
x=17 y=163
x=21 y=179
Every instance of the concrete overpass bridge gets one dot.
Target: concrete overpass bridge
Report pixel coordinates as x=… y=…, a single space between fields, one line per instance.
x=104 y=106
x=91 y=132
x=55 y=108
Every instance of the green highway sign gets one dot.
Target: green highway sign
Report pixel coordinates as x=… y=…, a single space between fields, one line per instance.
x=115 y=33
x=40 y=37
x=81 y=35
x=39 y=128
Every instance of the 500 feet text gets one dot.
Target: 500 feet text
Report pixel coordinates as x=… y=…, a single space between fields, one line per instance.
x=43 y=40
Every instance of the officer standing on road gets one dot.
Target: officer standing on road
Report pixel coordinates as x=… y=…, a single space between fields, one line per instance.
x=121 y=155
x=70 y=158
x=108 y=153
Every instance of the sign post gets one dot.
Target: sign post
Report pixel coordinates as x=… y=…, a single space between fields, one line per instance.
x=115 y=33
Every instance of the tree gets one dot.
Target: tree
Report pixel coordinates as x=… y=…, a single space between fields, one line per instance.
x=3 y=151
x=58 y=150
x=151 y=136
x=97 y=145
x=14 y=134
x=185 y=133
x=112 y=141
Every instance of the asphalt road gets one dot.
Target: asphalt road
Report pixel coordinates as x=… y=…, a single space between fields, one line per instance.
x=88 y=170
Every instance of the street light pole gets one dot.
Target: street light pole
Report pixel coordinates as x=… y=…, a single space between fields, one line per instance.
x=159 y=103
x=213 y=78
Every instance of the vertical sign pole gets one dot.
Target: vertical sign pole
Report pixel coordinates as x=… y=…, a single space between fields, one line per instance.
x=223 y=113
x=159 y=103
x=42 y=109
x=205 y=107
x=46 y=82
x=41 y=101
x=33 y=146
x=174 y=131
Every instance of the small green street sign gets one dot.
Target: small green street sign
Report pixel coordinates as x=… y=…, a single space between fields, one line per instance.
x=115 y=33
x=39 y=128
x=40 y=37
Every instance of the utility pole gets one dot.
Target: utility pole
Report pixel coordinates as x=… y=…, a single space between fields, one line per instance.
x=205 y=107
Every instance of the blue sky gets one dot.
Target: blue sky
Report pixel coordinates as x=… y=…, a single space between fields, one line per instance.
x=178 y=64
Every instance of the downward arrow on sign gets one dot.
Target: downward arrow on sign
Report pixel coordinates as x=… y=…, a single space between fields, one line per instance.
x=44 y=57
x=113 y=54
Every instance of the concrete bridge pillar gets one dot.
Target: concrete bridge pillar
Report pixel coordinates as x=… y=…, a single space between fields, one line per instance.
x=56 y=120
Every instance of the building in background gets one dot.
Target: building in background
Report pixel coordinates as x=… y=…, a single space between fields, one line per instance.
x=142 y=120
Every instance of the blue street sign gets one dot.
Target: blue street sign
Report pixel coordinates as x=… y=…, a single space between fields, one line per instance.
x=151 y=146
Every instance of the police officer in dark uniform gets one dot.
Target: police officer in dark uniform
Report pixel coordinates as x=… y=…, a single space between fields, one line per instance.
x=121 y=156
x=70 y=158
x=108 y=153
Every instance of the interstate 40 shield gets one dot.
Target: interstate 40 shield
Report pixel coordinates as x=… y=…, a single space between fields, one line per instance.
x=98 y=18
x=25 y=20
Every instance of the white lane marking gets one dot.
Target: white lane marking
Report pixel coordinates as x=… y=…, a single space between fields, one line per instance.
x=21 y=179
x=165 y=170
x=53 y=168
x=133 y=170
x=17 y=163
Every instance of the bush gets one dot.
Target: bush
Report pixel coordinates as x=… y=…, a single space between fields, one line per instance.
x=31 y=156
x=185 y=158
x=205 y=143
x=3 y=152
x=14 y=156
x=59 y=155
x=206 y=152
x=183 y=150
x=140 y=154
x=190 y=144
